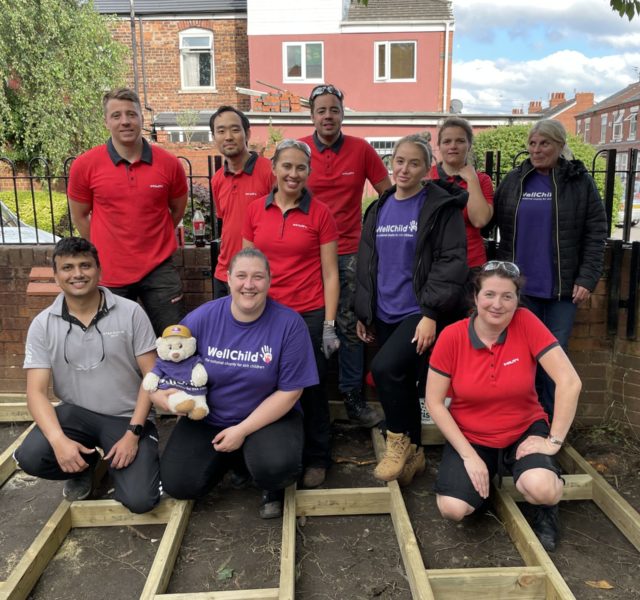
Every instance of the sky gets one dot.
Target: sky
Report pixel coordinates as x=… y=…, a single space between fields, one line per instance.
x=508 y=52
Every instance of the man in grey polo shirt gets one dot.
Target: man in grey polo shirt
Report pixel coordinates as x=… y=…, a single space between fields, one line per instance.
x=97 y=347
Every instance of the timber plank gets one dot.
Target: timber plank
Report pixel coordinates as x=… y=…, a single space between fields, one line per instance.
x=264 y=594
x=7 y=463
x=344 y=501
x=287 y=589
x=577 y=487
x=108 y=513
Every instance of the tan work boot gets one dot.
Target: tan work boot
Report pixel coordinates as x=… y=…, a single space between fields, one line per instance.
x=416 y=465
x=395 y=456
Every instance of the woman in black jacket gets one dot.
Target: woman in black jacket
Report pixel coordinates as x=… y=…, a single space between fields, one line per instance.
x=553 y=225
x=411 y=271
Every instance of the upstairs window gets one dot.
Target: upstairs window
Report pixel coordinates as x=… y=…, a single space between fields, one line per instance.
x=603 y=128
x=303 y=61
x=617 y=125
x=196 y=60
x=395 y=61
x=587 y=130
x=633 y=126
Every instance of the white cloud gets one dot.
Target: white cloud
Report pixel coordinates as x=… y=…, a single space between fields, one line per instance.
x=502 y=84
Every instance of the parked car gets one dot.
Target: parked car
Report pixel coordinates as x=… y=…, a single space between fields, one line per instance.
x=14 y=231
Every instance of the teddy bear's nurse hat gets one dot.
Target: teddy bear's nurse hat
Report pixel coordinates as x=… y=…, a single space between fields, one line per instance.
x=179 y=330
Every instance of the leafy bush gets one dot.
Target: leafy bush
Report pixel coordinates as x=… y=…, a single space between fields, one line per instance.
x=52 y=212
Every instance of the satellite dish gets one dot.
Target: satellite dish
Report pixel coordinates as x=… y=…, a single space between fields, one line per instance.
x=455 y=107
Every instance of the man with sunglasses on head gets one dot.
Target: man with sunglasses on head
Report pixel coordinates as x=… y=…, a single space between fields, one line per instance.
x=97 y=347
x=340 y=166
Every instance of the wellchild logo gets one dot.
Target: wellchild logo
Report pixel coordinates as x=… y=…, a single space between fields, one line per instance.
x=229 y=354
x=413 y=225
x=158 y=186
x=508 y=363
x=265 y=354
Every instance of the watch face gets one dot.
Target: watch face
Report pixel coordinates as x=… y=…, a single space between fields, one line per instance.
x=135 y=429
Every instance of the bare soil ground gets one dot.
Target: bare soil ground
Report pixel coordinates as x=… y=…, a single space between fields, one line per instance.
x=227 y=546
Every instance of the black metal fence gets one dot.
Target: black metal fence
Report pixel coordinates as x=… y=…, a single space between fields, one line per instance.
x=35 y=208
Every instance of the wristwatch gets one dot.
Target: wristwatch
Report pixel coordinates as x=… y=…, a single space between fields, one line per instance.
x=332 y=323
x=135 y=429
x=555 y=441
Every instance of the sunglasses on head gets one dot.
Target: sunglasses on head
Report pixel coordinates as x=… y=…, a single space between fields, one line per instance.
x=319 y=90
x=508 y=267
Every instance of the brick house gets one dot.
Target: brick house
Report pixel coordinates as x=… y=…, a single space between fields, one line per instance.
x=191 y=54
x=560 y=108
x=613 y=124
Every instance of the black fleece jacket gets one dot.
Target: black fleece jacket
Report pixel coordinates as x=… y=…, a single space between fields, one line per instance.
x=440 y=264
x=579 y=223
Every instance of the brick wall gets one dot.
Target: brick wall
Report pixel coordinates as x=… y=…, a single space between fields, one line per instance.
x=609 y=366
x=162 y=62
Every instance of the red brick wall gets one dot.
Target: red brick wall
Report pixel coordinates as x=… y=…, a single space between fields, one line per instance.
x=609 y=367
x=162 y=62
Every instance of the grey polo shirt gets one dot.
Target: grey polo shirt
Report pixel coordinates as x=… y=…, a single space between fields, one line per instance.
x=93 y=367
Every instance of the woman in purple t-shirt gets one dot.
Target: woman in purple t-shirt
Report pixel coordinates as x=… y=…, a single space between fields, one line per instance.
x=412 y=265
x=259 y=358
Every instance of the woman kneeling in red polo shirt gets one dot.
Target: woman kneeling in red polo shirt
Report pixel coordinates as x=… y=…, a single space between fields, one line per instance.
x=299 y=237
x=488 y=364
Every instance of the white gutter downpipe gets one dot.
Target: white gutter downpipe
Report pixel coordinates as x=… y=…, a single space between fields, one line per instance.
x=445 y=79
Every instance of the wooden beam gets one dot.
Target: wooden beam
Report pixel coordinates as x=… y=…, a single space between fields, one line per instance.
x=108 y=513
x=16 y=412
x=577 y=487
x=7 y=463
x=339 y=502
x=431 y=436
x=506 y=583
x=163 y=563
x=265 y=594
x=528 y=545
x=36 y=558
x=612 y=504
x=409 y=549
x=287 y=588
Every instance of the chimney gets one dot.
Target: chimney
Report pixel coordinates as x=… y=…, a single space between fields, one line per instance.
x=556 y=99
x=535 y=106
x=517 y=111
x=584 y=101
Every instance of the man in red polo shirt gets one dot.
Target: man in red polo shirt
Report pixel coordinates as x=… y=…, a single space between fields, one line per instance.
x=340 y=166
x=244 y=177
x=128 y=197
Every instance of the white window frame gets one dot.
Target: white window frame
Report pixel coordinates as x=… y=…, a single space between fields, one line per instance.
x=197 y=32
x=386 y=78
x=603 y=128
x=587 y=130
x=618 y=119
x=633 y=124
x=303 y=54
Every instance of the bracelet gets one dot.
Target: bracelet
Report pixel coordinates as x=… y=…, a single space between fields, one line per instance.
x=555 y=441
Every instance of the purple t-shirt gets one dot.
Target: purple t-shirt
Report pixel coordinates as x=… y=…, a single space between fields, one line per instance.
x=246 y=362
x=534 y=238
x=178 y=375
x=396 y=239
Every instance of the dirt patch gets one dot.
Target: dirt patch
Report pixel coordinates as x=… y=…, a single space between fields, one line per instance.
x=227 y=546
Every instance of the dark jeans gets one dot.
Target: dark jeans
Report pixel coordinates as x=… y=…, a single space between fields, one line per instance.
x=220 y=288
x=351 y=351
x=317 y=420
x=190 y=466
x=160 y=293
x=136 y=486
x=558 y=316
x=396 y=368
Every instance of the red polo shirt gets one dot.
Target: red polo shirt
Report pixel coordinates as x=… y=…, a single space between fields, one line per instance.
x=291 y=241
x=476 y=253
x=493 y=394
x=131 y=224
x=338 y=175
x=232 y=193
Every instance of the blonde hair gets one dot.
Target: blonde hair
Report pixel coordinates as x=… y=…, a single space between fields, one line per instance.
x=419 y=140
x=552 y=130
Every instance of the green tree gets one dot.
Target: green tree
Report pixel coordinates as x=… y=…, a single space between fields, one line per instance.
x=511 y=140
x=626 y=8
x=58 y=58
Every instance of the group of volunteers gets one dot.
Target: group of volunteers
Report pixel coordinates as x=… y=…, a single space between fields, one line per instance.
x=301 y=275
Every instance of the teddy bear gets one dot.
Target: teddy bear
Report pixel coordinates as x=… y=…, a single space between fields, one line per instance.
x=177 y=367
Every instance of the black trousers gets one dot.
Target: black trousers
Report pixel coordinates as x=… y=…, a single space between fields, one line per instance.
x=396 y=370
x=317 y=420
x=190 y=466
x=136 y=486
